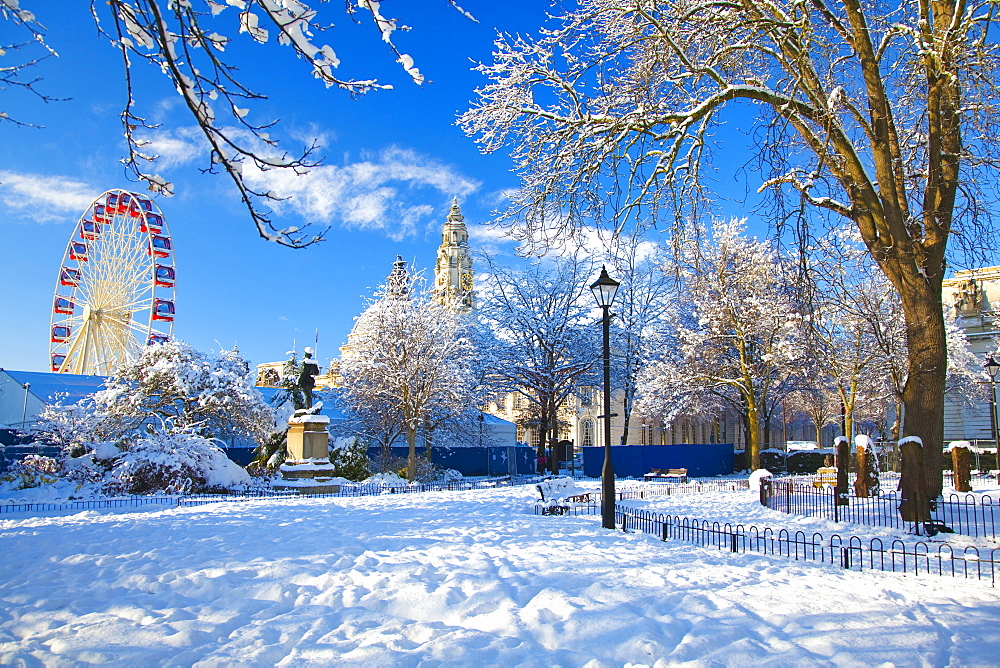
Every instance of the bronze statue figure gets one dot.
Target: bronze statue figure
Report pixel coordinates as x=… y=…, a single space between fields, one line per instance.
x=306 y=377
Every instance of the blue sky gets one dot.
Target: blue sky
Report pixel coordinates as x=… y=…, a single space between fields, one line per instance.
x=394 y=160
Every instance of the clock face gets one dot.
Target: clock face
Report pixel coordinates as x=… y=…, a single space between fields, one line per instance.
x=466 y=281
x=440 y=280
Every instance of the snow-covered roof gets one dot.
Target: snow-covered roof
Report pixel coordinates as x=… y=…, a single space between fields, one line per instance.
x=45 y=386
x=493 y=419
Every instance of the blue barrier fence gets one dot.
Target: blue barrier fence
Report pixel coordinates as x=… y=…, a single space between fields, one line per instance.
x=476 y=461
x=634 y=461
x=469 y=461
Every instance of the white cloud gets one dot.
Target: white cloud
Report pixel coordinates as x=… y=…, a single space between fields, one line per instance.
x=385 y=192
x=45 y=199
x=172 y=149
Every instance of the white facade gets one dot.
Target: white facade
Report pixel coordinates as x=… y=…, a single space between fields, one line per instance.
x=581 y=423
x=973 y=295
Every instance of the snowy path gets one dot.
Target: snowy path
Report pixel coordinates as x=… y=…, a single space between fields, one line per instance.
x=449 y=578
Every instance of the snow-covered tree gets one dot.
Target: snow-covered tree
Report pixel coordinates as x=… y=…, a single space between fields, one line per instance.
x=858 y=335
x=407 y=365
x=70 y=427
x=289 y=381
x=815 y=399
x=881 y=114
x=175 y=385
x=546 y=346
x=739 y=338
x=851 y=343
x=186 y=42
x=156 y=426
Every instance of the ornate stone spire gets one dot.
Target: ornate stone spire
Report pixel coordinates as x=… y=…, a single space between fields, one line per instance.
x=456 y=214
x=453 y=269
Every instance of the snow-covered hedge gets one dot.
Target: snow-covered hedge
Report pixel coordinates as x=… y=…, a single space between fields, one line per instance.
x=175 y=463
x=152 y=428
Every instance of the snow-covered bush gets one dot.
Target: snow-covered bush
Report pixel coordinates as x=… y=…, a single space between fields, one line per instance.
x=70 y=427
x=32 y=471
x=428 y=472
x=385 y=462
x=269 y=455
x=450 y=475
x=152 y=427
x=387 y=479
x=175 y=463
x=349 y=457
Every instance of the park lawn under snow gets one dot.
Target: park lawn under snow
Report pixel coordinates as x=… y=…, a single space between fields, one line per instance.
x=453 y=578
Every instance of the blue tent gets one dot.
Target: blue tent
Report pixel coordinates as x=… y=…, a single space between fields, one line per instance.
x=23 y=394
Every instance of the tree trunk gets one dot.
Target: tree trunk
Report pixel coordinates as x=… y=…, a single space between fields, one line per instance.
x=923 y=394
x=843 y=468
x=753 y=436
x=897 y=422
x=960 y=469
x=848 y=404
x=627 y=412
x=411 y=462
x=862 y=473
x=914 y=505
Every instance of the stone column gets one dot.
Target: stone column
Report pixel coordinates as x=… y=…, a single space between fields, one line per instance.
x=307 y=468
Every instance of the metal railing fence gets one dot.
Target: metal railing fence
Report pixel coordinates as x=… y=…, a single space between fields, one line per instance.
x=359 y=489
x=848 y=552
x=968 y=514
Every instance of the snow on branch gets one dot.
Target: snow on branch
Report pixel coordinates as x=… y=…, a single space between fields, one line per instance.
x=186 y=41
x=14 y=75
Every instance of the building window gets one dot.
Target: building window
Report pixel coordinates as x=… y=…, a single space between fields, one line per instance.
x=588 y=433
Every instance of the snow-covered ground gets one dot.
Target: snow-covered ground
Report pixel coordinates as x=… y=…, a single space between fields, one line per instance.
x=455 y=578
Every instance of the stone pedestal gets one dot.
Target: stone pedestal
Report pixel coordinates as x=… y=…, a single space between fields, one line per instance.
x=307 y=468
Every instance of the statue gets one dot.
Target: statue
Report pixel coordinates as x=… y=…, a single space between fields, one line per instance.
x=969 y=298
x=306 y=377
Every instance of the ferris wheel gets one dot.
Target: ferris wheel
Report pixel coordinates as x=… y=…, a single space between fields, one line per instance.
x=115 y=290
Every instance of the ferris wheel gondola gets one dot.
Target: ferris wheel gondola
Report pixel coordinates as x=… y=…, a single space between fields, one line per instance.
x=115 y=291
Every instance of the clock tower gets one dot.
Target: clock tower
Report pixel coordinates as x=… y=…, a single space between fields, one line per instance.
x=453 y=269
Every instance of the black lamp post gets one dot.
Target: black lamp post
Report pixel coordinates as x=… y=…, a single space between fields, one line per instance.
x=992 y=368
x=604 y=290
x=24 y=410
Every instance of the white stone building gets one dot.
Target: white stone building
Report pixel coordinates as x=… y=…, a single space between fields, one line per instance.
x=974 y=295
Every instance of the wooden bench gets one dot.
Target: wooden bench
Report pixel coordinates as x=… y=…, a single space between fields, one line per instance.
x=825 y=475
x=674 y=475
x=560 y=490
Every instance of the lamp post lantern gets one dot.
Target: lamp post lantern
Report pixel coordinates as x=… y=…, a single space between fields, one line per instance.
x=993 y=368
x=604 y=289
